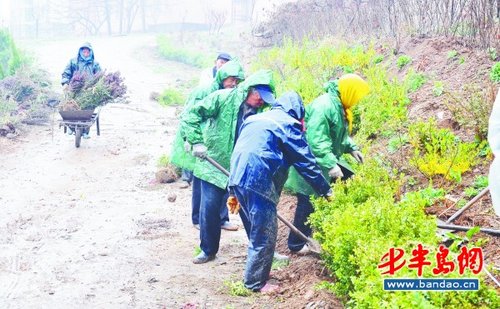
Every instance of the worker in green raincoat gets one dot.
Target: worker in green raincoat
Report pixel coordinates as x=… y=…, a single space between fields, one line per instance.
x=222 y=112
x=328 y=124
x=226 y=77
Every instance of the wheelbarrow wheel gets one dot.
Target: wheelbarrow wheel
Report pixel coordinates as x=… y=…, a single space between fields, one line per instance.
x=78 y=137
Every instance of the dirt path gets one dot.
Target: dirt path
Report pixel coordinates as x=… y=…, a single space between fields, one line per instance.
x=89 y=227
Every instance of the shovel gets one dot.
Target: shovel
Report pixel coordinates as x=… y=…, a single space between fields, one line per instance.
x=313 y=245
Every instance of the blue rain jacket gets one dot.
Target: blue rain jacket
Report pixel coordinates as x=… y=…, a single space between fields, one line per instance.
x=81 y=64
x=268 y=145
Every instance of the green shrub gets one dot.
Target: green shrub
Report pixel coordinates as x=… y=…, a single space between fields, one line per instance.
x=403 y=61
x=237 y=288
x=306 y=66
x=171 y=96
x=426 y=197
x=11 y=58
x=438 y=88
x=396 y=142
x=365 y=218
x=452 y=54
x=440 y=152
x=378 y=59
x=415 y=80
x=480 y=182
x=383 y=111
x=163 y=161
x=495 y=73
x=471 y=108
x=492 y=53
x=360 y=225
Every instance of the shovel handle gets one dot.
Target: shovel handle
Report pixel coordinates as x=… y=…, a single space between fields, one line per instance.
x=217 y=165
x=293 y=228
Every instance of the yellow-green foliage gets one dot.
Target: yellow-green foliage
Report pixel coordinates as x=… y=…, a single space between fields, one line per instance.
x=383 y=111
x=237 y=288
x=365 y=219
x=361 y=224
x=440 y=152
x=163 y=161
x=305 y=67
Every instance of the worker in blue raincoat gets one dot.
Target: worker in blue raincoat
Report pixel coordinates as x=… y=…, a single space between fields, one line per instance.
x=221 y=113
x=84 y=62
x=269 y=143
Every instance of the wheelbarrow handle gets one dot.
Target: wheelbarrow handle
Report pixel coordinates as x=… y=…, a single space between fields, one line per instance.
x=285 y=221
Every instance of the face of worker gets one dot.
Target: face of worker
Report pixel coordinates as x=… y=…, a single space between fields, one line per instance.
x=219 y=63
x=254 y=99
x=85 y=52
x=229 y=82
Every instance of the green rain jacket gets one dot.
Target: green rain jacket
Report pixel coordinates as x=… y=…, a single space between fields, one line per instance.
x=179 y=157
x=219 y=112
x=327 y=134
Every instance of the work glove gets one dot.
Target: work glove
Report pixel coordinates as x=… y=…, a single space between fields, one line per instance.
x=200 y=151
x=336 y=172
x=187 y=147
x=232 y=204
x=358 y=156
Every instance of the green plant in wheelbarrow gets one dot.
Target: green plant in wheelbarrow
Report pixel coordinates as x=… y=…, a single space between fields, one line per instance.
x=82 y=96
x=87 y=93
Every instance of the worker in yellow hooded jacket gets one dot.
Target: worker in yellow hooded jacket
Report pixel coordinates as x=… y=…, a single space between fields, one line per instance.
x=328 y=123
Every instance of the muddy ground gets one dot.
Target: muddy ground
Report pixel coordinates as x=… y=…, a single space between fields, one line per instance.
x=90 y=227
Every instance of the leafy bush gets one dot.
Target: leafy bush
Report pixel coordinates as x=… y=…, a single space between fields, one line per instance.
x=415 y=80
x=383 y=112
x=480 y=182
x=305 y=67
x=438 y=88
x=171 y=96
x=365 y=218
x=471 y=108
x=362 y=222
x=237 y=288
x=440 y=152
x=163 y=161
x=11 y=58
x=492 y=53
x=87 y=93
x=403 y=61
x=452 y=54
x=190 y=57
x=23 y=96
x=495 y=73
x=426 y=197
x=396 y=142
x=378 y=59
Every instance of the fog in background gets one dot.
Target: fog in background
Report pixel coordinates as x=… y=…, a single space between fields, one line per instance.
x=27 y=19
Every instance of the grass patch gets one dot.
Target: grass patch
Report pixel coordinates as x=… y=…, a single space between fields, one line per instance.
x=171 y=97
x=237 y=288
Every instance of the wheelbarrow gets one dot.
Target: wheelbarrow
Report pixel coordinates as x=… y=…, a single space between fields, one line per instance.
x=313 y=245
x=79 y=121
